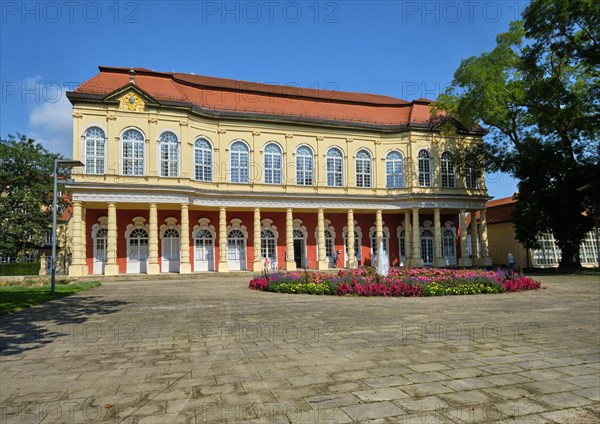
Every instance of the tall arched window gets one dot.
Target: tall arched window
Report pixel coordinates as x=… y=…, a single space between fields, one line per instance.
x=448 y=244
x=272 y=157
x=268 y=244
x=239 y=162
x=402 y=242
x=471 y=176
x=169 y=154
x=95 y=150
x=304 y=166
x=203 y=160
x=394 y=171
x=427 y=247
x=363 y=169
x=447 y=170
x=424 y=159
x=335 y=168
x=133 y=152
x=329 y=244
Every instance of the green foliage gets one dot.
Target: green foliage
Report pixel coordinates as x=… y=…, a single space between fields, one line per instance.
x=537 y=91
x=20 y=269
x=26 y=186
x=15 y=298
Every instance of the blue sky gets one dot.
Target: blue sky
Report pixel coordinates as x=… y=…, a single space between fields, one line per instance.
x=405 y=49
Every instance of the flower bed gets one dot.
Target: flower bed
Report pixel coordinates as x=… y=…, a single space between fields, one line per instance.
x=399 y=282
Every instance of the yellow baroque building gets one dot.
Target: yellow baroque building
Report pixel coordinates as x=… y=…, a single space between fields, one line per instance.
x=185 y=173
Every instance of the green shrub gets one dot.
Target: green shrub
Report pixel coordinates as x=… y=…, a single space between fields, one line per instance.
x=20 y=269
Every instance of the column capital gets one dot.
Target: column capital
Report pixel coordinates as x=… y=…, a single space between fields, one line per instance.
x=184 y=206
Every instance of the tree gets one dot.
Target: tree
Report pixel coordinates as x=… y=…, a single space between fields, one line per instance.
x=538 y=93
x=26 y=186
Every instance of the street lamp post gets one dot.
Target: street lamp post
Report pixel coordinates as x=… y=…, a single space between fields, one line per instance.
x=65 y=164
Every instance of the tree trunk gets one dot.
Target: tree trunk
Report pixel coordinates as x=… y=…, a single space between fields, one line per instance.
x=570 y=255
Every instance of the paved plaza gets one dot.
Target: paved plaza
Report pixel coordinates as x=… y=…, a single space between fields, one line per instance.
x=207 y=349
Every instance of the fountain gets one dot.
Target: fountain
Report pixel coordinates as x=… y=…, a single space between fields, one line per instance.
x=383 y=260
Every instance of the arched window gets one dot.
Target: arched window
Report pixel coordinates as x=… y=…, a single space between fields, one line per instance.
x=427 y=247
x=268 y=244
x=447 y=170
x=357 y=243
x=394 y=170
x=170 y=244
x=133 y=152
x=424 y=159
x=101 y=244
x=95 y=150
x=335 y=168
x=471 y=177
x=169 y=154
x=239 y=162
x=203 y=162
x=138 y=244
x=402 y=241
x=304 y=166
x=272 y=156
x=236 y=246
x=329 y=244
x=363 y=169
x=448 y=244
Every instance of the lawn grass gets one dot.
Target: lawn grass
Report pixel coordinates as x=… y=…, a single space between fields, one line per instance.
x=15 y=298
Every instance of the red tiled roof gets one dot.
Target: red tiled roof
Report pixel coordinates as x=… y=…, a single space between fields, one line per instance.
x=498 y=210
x=240 y=96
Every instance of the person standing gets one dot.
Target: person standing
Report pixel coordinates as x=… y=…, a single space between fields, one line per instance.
x=511 y=263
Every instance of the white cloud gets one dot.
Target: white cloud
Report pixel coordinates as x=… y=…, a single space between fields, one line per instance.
x=51 y=123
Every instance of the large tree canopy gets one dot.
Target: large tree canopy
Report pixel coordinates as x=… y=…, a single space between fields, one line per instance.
x=538 y=91
x=26 y=186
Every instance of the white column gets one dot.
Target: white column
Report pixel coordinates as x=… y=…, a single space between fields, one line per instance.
x=407 y=238
x=184 y=241
x=223 y=264
x=474 y=238
x=153 y=265
x=464 y=248
x=417 y=261
x=290 y=263
x=321 y=260
x=111 y=267
x=351 y=259
x=378 y=232
x=437 y=239
x=257 y=265
x=84 y=269
x=485 y=259
x=77 y=262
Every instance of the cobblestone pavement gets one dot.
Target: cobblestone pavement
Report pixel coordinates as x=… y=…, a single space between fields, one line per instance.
x=207 y=349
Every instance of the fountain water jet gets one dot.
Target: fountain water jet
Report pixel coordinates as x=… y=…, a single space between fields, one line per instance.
x=383 y=260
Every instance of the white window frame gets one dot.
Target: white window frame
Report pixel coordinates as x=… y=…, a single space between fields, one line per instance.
x=162 y=143
x=364 y=169
x=391 y=170
x=273 y=173
x=122 y=148
x=447 y=172
x=204 y=168
x=267 y=225
x=333 y=173
x=301 y=161
x=242 y=179
x=425 y=177
x=93 y=170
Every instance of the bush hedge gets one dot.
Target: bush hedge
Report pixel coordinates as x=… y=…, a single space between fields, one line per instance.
x=32 y=268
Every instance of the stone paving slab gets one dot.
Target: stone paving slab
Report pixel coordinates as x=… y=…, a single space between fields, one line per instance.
x=194 y=349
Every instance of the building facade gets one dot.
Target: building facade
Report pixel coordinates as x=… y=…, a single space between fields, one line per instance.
x=195 y=174
x=502 y=241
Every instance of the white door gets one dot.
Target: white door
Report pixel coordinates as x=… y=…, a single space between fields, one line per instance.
x=204 y=251
x=100 y=247
x=427 y=247
x=449 y=247
x=137 y=252
x=170 y=251
x=329 y=250
x=236 y=250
